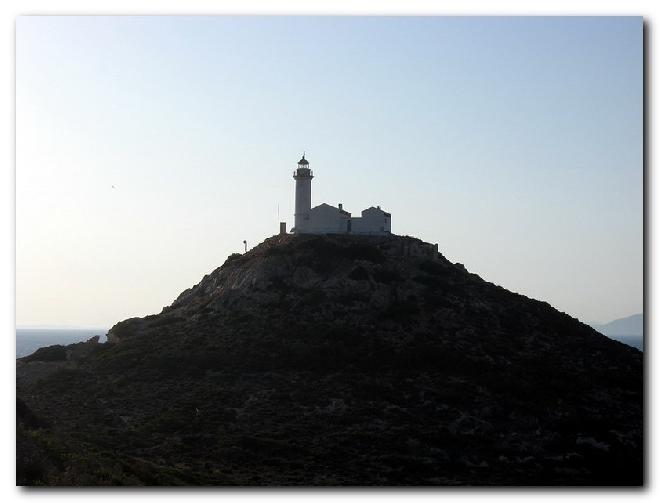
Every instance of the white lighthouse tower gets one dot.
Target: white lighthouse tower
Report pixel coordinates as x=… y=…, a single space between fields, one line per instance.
x=303 y=177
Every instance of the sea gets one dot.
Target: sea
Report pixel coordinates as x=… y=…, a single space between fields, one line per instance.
x=636 y=341
x=28 y=340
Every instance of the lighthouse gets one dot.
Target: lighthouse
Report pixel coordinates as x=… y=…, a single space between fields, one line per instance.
x=303 y=177
x=327 y=219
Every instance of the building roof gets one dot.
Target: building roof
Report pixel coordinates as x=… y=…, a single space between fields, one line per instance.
x=303 y=161
x=325 y=206
x=378 y=209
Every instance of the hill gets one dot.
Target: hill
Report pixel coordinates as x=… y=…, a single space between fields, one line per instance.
x=336 y=360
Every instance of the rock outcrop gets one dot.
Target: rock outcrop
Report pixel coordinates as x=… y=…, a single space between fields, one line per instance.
x=341 y=360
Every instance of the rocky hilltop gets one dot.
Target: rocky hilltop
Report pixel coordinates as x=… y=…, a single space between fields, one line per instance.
x=336 y=360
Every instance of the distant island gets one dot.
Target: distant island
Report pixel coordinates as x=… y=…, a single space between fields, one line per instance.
x=629 y=330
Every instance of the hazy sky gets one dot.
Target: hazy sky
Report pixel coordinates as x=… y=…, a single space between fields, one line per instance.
x=514 y=143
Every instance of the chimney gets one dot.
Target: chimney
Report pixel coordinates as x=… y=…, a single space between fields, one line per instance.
x=341 y=206
x=282 y=227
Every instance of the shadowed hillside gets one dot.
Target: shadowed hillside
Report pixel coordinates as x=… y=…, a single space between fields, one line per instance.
x=336 y=360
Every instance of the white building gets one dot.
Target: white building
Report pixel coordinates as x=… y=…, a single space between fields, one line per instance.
x=326 y=219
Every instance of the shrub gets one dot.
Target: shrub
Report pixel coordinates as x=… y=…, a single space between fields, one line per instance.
x=48 y=354
x=401 y=309
x=359 y=251
x=234 y=258
x=433 y=267
x=359 y=274
x=387 y=276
